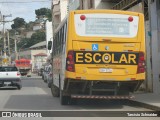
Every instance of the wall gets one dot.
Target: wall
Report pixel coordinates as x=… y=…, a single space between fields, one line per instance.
x=137 y=8
x=74 y=4
x=103 y=5
x=38 y=62
x=59 y=12
x=37 y=27
x=29 y=34
x=63 y=8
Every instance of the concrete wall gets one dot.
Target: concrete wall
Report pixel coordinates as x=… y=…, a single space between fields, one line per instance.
x=97 y=4
x=103 y=5
x=73 y=4
x=29 y=34
x=59 y=12
x=63 y=8
x=34 y=52
x=37 y=27
x=38 y=62
x=137 y=8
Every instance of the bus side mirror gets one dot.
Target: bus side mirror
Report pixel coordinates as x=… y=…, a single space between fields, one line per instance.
x=49 y=45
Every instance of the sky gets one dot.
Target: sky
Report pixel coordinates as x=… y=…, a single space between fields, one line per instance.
x=21 y=8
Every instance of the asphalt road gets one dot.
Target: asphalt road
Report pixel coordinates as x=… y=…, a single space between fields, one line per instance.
x=35 y=95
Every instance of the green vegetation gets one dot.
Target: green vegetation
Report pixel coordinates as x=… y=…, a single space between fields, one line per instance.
x=19 y=27
x=18 y=23
x=37 y=37
x=44 y=12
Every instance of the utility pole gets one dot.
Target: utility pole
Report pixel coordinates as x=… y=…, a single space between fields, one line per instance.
x=9 y=52
x=4 y=37
x=15 y=43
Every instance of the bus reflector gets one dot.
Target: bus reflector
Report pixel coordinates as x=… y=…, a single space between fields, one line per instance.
x=82 y=17
x=130 y=19
x=78 y=77
x=69 y=68
x=82 y=49
x=133 y=78
x=70 y=61
x=141 y=63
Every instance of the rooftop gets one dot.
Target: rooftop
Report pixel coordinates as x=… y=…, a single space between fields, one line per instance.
x=41 y=54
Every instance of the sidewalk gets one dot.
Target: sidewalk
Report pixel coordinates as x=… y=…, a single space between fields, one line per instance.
x=149 y=100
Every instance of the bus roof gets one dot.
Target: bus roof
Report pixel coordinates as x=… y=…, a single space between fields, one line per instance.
x=105 y=11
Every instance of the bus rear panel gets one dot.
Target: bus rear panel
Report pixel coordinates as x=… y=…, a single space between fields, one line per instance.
x=105 y=50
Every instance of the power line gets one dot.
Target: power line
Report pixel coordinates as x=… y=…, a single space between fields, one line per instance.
x=26 y=2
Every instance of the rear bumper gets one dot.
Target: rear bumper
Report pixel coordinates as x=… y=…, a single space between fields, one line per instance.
x=104 y=88
x=90 y=77
x=10 y=82
x=102 y=97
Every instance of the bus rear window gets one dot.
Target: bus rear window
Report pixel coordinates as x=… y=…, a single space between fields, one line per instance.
x=106 y=25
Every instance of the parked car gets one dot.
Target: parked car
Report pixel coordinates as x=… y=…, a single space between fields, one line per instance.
x=43 y=70
x=45 y=73
x=10 y=76
x=49 y=76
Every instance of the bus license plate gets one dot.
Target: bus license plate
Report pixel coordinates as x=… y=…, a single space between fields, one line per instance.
x=107 y=70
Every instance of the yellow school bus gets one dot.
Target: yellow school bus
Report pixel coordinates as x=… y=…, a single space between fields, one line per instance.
x=98 y=54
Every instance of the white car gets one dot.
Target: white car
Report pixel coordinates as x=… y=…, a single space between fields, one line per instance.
x=10 y=76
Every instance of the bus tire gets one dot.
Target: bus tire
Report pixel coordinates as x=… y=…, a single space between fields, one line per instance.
x=65 y=100
x=19 y=87
x=55 y=91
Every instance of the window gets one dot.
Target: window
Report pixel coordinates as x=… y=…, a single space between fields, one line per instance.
x=107 y=25
x=8 y=69
x=59 y=40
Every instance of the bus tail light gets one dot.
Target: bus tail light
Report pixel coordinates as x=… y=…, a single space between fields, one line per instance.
x=70 y=65
x=82 y=17
x=18 y=74
x=130 y=19
x=141 y=63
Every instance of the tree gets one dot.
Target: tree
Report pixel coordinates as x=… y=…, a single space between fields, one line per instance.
x=37 y=37
x=18 y=23
x=29 y=26
x=44 y=12
x=23 y=43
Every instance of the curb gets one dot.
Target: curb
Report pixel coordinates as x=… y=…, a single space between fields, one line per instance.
x=145 y=105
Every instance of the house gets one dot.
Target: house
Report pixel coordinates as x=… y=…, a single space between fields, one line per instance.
x=38 y=60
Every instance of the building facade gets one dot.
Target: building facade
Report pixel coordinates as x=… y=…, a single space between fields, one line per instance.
x=38 y=60
x=59 y=11
x=39 y=48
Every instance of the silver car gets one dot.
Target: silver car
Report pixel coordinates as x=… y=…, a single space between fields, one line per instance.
x=49 y=76
x=45 y=73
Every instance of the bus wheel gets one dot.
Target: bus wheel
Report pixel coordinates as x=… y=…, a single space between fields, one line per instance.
x=65 y=100
x=55 y=91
